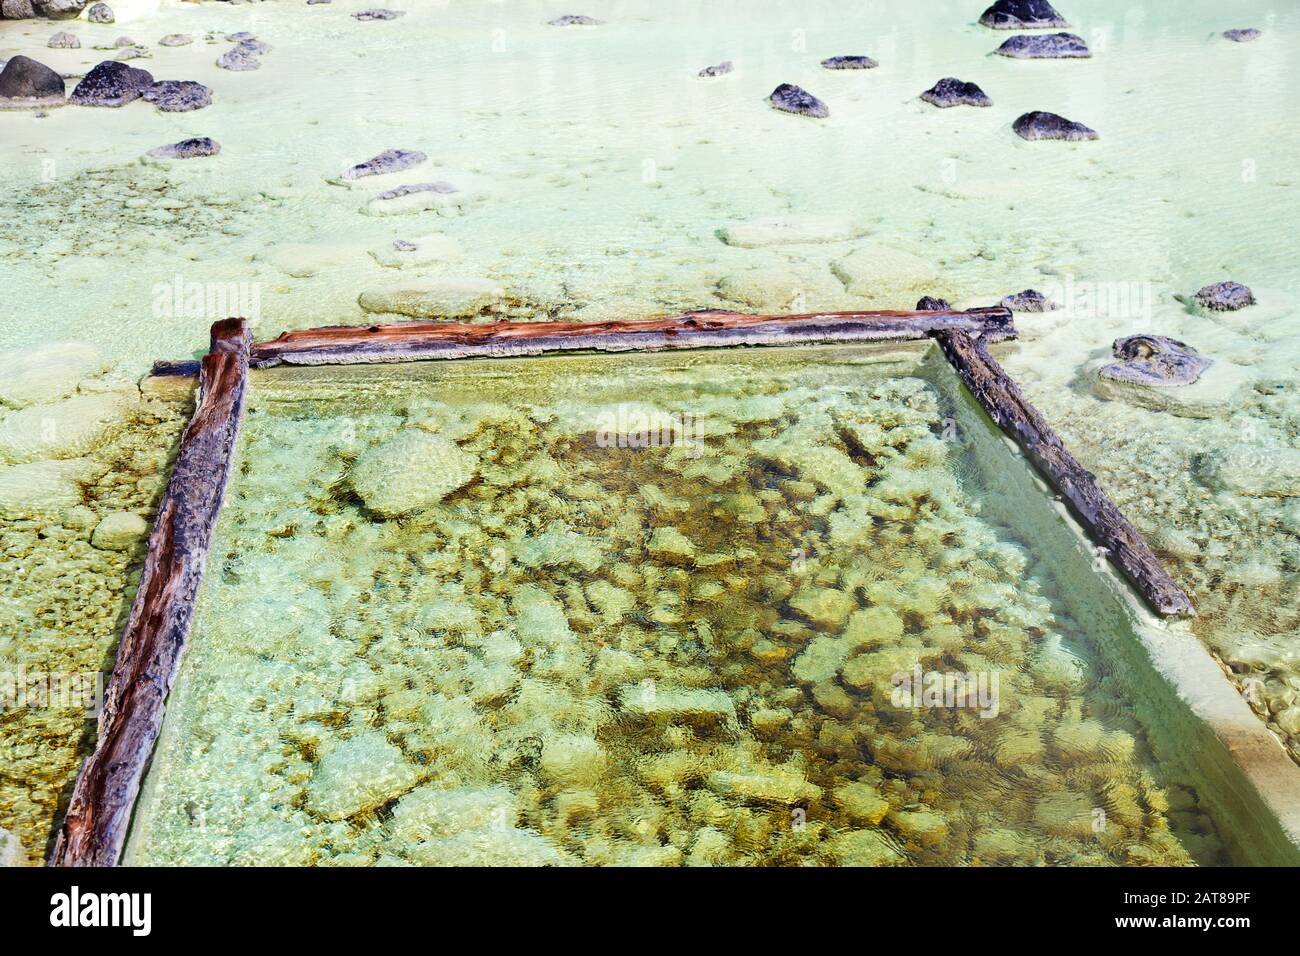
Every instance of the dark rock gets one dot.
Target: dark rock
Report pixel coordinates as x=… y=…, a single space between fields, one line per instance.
x=1225 y=296
x=59 y=9
x=850 y=62
x=16 y=10
x=176 y=39
x=377 y=13
x=953 y=92
x=389 y=161
x=111 y=84
x=178 y=96
x=725 y=66
x=1041 y=125
x=64 y=41
x=26 y=84
x=187 y=149
x=100 y=13
x=1154 y=360
x=1022 y=15
x=1042 y=46
x=397 y=192
x=929 y=303
x=1243 y=35
x=793 y=99
x=239 y=60
x=574 y=20
x=1028 y=301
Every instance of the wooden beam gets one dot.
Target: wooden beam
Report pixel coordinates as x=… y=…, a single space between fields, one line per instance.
x=406 y=341
x=1100 y=517
x=95 y=827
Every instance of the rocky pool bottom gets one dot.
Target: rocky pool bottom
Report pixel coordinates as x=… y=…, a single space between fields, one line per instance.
x=646 y=610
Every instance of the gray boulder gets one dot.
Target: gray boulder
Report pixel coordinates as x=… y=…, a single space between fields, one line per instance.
x=1154 y=360
x=100 y=13
x=397 y=192
x=1022 y=15
x=187 y=149
x=1044 y=46
x=178 y=96
x=378 y=14
x=1243 y=35
x=59 y=9
x=176 y=39
x=951 y=91
x=16 y=10
x=853 y=61
x=238 y=59
x=794 y=99
x=718 y=69
x=111 y=84
x=389 y=161
x=1041 y=125
x=27 y=84
x=1225 y=296
x=64 y=41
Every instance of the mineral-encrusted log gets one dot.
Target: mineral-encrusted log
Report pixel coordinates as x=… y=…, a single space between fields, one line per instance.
x=94 y=830
x=1100 y=516
x=405 y=341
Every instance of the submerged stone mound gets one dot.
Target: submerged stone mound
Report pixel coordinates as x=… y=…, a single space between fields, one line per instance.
x=574 y=20
x=239 y=59
x=793 y=99
x=101 y=13
x=176 y=39
x=1022 y=15
x=409 y=472
x=187 y=149
x=64 y=40
x=389 y=161
x=1225 y=296
x=1056 y=46
x=27 y=84
x=855 y=61
x=1043 y=125
x=178 y=96
x=718 y=69
x=378 y=13
x=1030 y=300
x=1243 y=35
x=951 y=91
x=1155 y=360
x=111 y=84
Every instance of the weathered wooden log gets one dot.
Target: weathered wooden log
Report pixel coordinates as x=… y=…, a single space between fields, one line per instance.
x=406 y=341
x=1100 y=517
x=95 y=827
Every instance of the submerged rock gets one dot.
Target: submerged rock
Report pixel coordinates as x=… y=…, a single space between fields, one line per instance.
x=951 y=91
x=574 y=20
x=1155 y=360
x=238 y=59
x=119 y=531
x=187 y=149
x=422 y=250
x=409 y=472
x=389 y=161
x=1242 y=35
x=1030 y=46
x=1043 y=125
x=793 y=99
x=855 y=61
x=1255 y=470
x=433 y=299
x=27 y=84
x=176 y=39
x=1030 y=300
x=793 y=229
x=726 y=66
x=1225 y=296
x=111 y=84
x=43 y=373
x=359 y=774
x=178 y=96
x=100 y=13
x=42 y=487
x=377 y=13
x=64 y=41
x=1022 y=15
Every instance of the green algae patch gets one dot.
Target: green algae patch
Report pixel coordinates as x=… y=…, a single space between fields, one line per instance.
x=782 y=631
